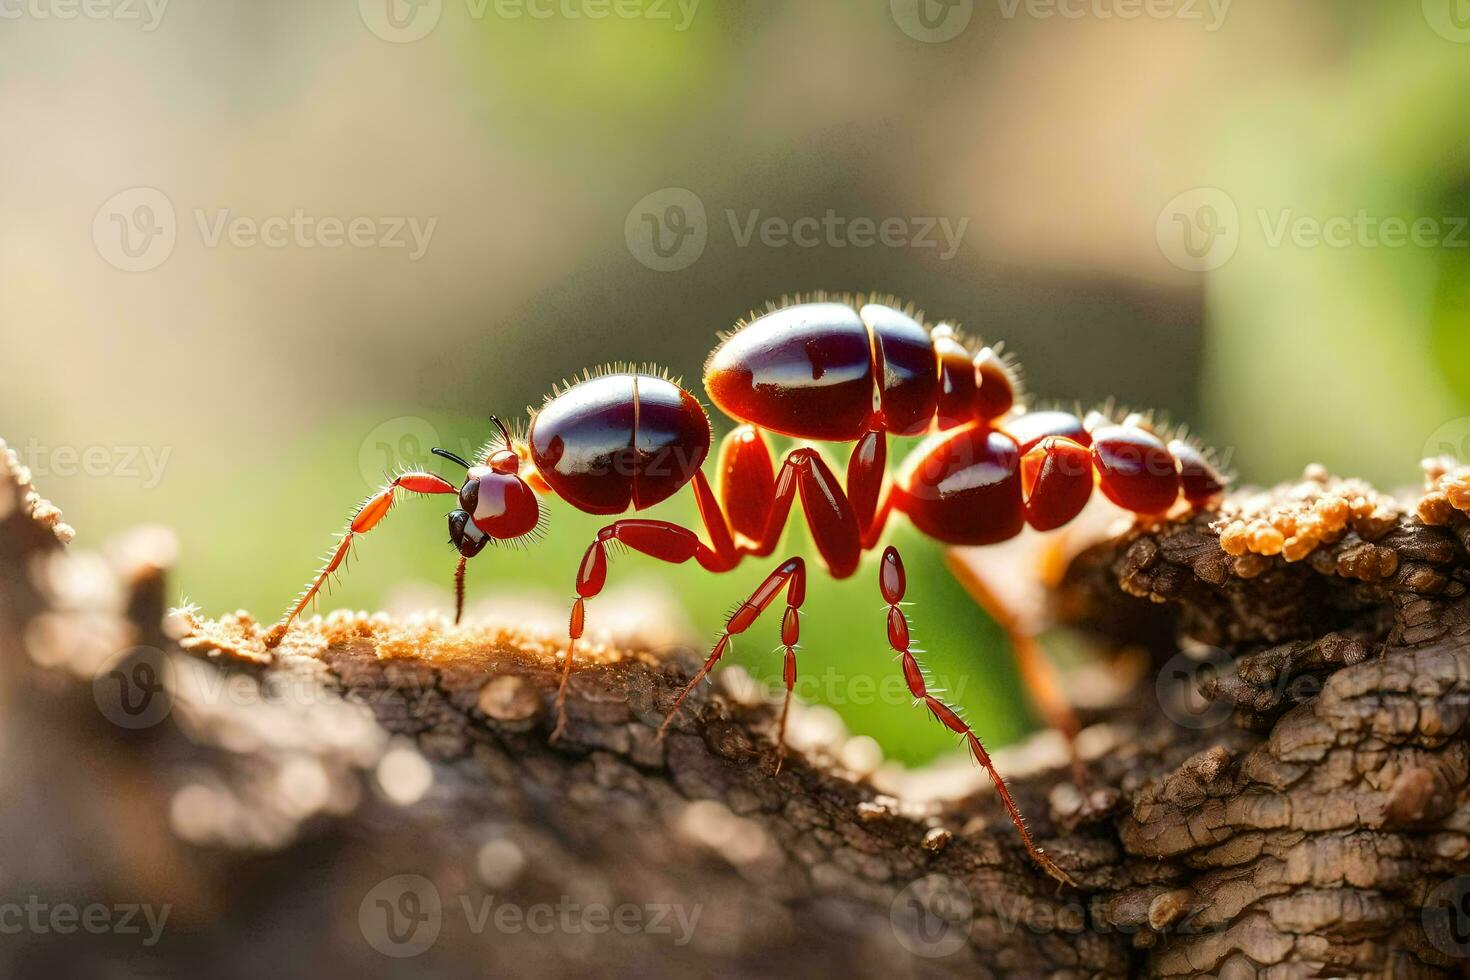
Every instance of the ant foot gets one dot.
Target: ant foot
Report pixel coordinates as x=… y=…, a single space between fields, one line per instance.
x=561 y=723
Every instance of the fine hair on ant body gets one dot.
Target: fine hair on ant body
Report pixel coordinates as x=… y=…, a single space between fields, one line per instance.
x=853 y=369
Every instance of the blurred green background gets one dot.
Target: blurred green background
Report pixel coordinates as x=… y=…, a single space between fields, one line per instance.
x=1137 y=196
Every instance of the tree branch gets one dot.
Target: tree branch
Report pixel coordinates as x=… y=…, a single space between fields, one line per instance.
x=1299 y=822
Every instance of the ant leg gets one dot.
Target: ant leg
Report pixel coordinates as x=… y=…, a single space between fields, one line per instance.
x=893 y=584
x=828 y=514
x=1056 y=481
x=369 y=513
x=791 y=575
x=714 y=522
x=747 y=483
x=658 y=539
x=1038 y=674
x=865 y=470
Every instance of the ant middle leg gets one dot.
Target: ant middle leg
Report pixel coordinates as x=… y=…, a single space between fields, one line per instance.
x=866 y=468
x=893 y=583
x=663 y=540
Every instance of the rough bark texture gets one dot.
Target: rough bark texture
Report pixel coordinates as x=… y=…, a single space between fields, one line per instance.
x=1303 y=823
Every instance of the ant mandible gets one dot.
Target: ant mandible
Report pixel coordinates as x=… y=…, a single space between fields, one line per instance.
x=846 y=369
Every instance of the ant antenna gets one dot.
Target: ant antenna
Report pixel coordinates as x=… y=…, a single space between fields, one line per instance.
x=504 y=432
x=446 y=454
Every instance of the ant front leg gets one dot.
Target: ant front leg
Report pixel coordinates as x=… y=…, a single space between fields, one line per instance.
x=893 y=583
x=790 y=575
x=663 y=540
x=372 y=510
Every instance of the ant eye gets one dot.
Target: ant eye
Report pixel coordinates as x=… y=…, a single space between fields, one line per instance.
x=469 y=495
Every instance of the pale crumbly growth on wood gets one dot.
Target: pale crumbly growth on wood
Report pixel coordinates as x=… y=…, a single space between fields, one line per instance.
x=1295 y=521
x=1446 y=491
x=429 y=637
x=16 y=491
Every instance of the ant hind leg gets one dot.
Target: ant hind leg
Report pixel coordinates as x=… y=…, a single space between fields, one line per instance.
x=893 y=584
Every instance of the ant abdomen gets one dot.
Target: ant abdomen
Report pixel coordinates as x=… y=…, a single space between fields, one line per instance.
x=979 y=485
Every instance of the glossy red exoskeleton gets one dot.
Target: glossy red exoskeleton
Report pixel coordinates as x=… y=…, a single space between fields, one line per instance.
x=842 y=370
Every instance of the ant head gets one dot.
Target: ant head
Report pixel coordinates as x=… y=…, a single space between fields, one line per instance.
x=494 y=501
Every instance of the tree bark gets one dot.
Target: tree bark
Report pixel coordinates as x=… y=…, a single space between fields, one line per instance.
x=382 y=796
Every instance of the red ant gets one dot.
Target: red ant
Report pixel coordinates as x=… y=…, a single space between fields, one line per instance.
x=845 y=370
